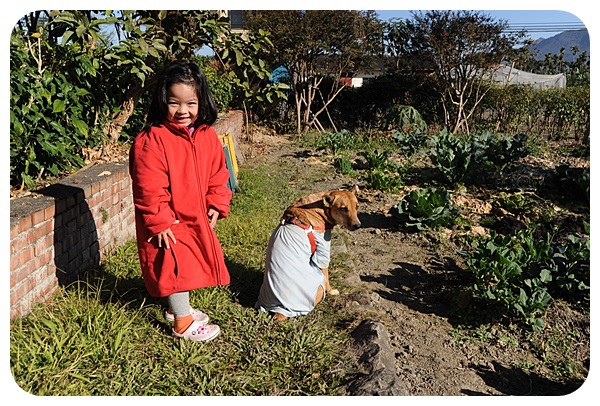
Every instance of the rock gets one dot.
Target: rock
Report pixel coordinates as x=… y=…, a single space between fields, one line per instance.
x=379 y=359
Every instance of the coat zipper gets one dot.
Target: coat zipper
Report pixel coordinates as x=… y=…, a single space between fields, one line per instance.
x=215 y=256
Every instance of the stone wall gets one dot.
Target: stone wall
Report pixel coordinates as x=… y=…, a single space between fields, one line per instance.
x=59 y=232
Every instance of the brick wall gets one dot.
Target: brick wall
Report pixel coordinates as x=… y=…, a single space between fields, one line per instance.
x=59 y=232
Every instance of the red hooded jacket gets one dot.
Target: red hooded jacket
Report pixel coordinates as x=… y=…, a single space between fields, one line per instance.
x=178 y=176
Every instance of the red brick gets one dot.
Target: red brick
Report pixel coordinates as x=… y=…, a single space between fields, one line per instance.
x=51 y=269
x=14 y=231
x=49 y=212
x=21 y=241
x=17 y=293
x=93 y=201
x=42 y=245
x=104 y=184
x=21 y=257
x=43 y=258
x=43 y=229
x=18 y=275
x=25 y=224
x=97 y=188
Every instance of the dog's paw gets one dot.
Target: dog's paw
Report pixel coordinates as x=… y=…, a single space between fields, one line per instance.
x=334 y=292
x=279 y=317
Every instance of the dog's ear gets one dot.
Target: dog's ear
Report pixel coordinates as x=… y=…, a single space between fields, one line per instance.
x=328 y=199
x=355 y=189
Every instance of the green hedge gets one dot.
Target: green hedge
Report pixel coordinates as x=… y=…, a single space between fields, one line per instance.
x=553 y=113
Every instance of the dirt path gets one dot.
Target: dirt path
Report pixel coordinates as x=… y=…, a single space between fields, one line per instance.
x=409 y=282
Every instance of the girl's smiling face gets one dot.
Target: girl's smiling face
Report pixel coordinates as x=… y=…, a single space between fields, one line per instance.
x=182 y=104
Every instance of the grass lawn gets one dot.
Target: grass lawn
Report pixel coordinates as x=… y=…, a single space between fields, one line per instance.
x=105 y=336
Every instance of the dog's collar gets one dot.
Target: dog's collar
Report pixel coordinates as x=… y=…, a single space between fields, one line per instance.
x=307 y=227
x=295 y=220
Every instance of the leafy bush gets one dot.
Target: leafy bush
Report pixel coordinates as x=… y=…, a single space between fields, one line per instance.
x=338 y=141
x=404 y=118
x=451 y=155
x=379 y=159
x=221 y=86
x=515 y=203
x=574 y=181
x=518 y=273
x=499 y=150
x=511 y=272
x=424 y=209
x=50 y=118
x=385 y=174
x=455 y=156
x=411 y=142
x=571 y=269
x=343 y=164
x=385 y=180
x=555 y=113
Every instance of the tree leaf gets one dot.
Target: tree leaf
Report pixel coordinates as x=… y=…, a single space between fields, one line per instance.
x=58 y=106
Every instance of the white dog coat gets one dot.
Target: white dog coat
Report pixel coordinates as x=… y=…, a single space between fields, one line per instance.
x=292 y=272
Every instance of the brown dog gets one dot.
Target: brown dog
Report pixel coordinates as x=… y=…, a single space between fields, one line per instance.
x=296 y=275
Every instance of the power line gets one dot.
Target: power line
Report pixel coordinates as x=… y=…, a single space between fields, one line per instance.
x=545 y=27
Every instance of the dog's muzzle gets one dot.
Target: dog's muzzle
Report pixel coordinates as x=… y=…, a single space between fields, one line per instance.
x=354 y=226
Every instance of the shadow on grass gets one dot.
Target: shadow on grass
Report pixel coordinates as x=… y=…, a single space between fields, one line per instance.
x=245 y=283
x=130 y=291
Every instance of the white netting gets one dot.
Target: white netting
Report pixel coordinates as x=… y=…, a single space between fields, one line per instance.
x=511 y=76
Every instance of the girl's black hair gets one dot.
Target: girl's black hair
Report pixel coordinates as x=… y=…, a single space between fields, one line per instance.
x=190 y=74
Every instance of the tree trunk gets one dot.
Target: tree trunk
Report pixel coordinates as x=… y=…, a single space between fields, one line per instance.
x=115 y=126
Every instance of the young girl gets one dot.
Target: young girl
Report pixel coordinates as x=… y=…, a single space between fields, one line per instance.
x=179 y=179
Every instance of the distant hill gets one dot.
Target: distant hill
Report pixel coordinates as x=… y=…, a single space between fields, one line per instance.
x=566 y=40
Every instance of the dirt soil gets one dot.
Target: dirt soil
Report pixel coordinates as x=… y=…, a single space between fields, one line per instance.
x=411 y=282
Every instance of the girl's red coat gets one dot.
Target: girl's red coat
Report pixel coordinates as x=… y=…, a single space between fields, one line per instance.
x=178 y=176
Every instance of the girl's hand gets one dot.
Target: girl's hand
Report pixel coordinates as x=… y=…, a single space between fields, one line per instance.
x=213 y=215
x=165 y=236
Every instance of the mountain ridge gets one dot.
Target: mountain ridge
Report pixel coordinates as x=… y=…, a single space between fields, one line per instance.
x=566 y=40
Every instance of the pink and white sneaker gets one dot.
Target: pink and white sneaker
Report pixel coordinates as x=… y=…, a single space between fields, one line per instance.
x=199 y=332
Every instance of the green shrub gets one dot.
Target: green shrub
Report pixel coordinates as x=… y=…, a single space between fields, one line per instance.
x=384 y=174
x=50 y=116
x=343 y=164
x=515 y=203
x=574 y=181
x=451 y=155
x=404 y=118
x=379 y=159
x=221 y=86
x=519 y=273
x=571 y=271
x=511 y=273
x=385 y=180
x=499 y=151
x=554 y=113
x=335 y=142
x=424 y=209
x=410 y=143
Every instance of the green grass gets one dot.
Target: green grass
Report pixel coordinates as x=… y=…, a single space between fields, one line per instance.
x=105 y=336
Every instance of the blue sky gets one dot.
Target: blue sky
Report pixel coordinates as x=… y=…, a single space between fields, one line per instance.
x=531 y=20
